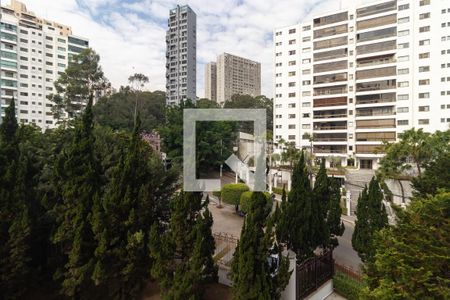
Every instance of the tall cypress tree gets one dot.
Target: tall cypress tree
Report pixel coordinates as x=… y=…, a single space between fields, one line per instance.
x=15 y=227
x=182 y=252
x=252 y=276
x=207 y=245
x=79 y=175
x=371 y=217
x=334 y=223
x=250 y=271
x=297 y=218
x=321 y=203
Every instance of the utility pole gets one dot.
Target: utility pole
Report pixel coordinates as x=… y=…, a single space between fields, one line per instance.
x=221 y=157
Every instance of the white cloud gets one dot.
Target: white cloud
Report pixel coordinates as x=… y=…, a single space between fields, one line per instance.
x=132 y=34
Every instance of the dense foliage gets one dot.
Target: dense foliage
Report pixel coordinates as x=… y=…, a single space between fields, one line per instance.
x=308 y=217
x=77 y=207
x=417 y=154
x=117 y=111
x=253 y=277
x=183 y=260
x=246 y=201
x=411 y=258
x=82 y=78
x=371 y=217
x=214 y=140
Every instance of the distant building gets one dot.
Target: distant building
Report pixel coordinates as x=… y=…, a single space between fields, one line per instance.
x=234 y=75
x=181 y=55
x=34 y=52
x=211 y=81
x=154 y=140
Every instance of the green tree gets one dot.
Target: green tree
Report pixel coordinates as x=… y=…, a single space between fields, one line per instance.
x=14 y=219
x=21 y=240
x=416 y=150
x=321 y=206
x=436 y=176
x=133 y=201
x=137 y=80
x=182 y=252
x=117 y=111
x=79 y=175
x=371 y=217
x=247 y=101
x=214 y=140
x=82 y=78
x=290 y=153
x=334 y=222
x=412 y=257
x=251 y=274
x=298 y=225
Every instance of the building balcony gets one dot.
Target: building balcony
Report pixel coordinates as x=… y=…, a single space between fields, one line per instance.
x=375 y=98
x=324 y=126
x=330 y=137
x=336 y=101
x=330 y=114
x=331 y=149
x=374 y=112
x=369 y=149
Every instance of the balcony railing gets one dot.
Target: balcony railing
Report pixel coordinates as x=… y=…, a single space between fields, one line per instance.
x=330 y=139
x=338 y=127
x=374 y=113
x=329 y=116
x=316 y=150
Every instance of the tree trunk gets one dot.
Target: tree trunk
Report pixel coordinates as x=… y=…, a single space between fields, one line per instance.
x=403 y=190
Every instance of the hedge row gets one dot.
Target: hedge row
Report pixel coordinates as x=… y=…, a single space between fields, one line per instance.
x=347 y=286
x=231 y=193
x=246 y=198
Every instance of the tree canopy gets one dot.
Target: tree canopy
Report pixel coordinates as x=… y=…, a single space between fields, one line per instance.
x=411 y=258
x=82 y=78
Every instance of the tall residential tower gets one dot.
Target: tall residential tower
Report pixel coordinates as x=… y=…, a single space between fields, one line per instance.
x=211 y=81
x=181 y=55
x=34 y=51
x=237 y=75
x=357 y=77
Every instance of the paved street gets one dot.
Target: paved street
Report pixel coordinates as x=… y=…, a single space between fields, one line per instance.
x=344 y=253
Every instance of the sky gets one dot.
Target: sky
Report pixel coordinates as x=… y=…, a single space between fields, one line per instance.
x=129 y=35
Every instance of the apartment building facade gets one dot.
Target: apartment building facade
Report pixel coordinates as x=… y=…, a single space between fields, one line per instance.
x=181 y=55
x=211 y=81
x=237 y=75
x=34 y=52
x=357 y=77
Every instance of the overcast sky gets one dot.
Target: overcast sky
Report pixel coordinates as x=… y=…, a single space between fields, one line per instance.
x=131 y=33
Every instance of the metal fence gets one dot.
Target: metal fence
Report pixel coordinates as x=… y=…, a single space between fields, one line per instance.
x=225 y=245
x=314 y=272
x=350 y=272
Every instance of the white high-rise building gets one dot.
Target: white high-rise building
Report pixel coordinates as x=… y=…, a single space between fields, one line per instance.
x=34 y=51
x=357 y=77
x=181 y=55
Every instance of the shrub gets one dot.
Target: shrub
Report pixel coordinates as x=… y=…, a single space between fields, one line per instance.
x=347 y=286
x=279 y=191
x=217 y=194
x=246 y=198
x=231 y=193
